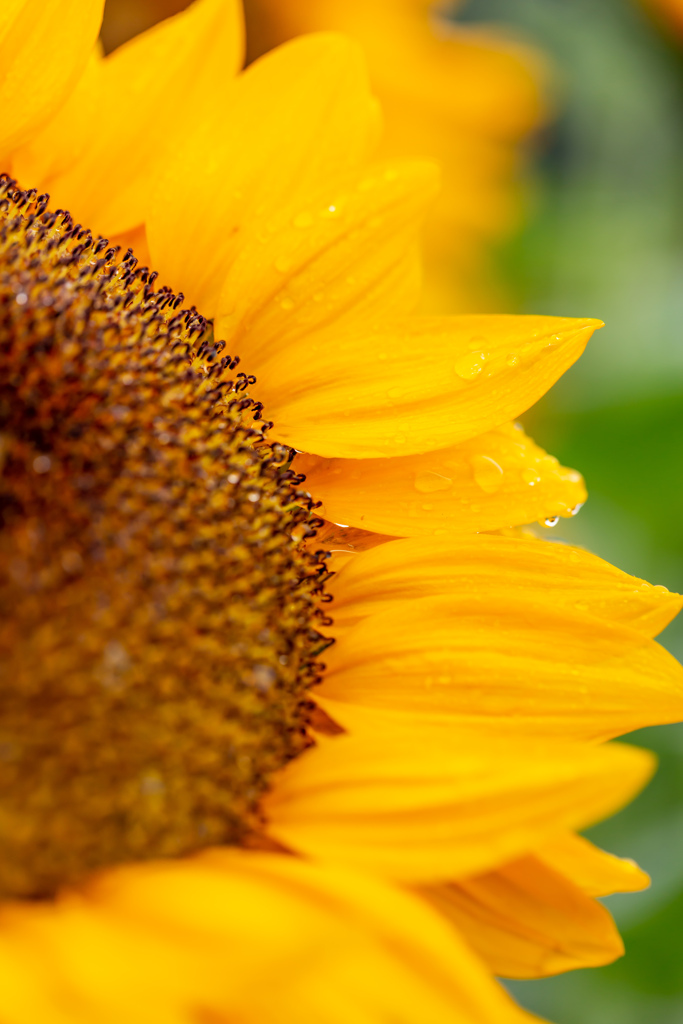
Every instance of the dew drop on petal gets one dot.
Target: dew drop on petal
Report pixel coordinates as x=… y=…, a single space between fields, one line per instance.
x=427 y=482
x=487 y=473
x=576 y=509
x=549 y=521
x=470 y=365
x=530 y=477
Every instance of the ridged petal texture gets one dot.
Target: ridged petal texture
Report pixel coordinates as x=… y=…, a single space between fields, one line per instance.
x=414 y=384
x=248 y=937
x=497 y=479
x=317 y=123
x=537 y=915
x=100 y=157
x=44 y=48
x=461 y=95
x=424 y=805
x=304 y=251
x=516 y=634
x=527 y=921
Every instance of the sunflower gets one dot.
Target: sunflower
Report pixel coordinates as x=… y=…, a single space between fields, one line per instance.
x=203 y=836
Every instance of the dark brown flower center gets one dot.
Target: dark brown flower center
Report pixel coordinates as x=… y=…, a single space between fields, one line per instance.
x=157 y=613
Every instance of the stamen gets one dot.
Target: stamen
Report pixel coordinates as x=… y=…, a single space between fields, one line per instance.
x=157 y=610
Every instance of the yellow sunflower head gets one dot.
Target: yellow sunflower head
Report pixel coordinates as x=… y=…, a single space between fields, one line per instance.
x=163 y=590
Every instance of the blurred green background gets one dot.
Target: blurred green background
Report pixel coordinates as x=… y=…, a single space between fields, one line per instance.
x=604 y=238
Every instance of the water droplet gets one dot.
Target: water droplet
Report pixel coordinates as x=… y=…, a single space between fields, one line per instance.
x=660 y=589
x=233 y=478
x=469 y=366
x=551 y=521
x=21 y=299
x=487 y=473
x=530 y=477
x=577 y=508
x=330 y=211
x=283 y=264
x=303 y=220
x=427 y=482
x=287 y=304
x=512 y=359
x=476 y=343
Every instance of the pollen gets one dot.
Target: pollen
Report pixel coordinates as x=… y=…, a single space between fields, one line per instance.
x=159 y=614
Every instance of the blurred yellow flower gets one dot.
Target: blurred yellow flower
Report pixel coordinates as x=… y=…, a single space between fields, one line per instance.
x=162 y=594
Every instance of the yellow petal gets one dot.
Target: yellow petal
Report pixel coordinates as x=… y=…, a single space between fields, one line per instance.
x=426 y=805
x=254 y=938
x=44 y=48
x=482 y=566
x=317 y=123
x=527 y=921
x=458 y=95
x=111 y=152
x=595 y=871
x=504 y=661
x=494 y=480
x=412 y=385
x=349 y=253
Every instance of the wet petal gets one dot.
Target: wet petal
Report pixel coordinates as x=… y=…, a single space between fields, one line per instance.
x=44 y=48
x=494 y=480
x=506 y=664
x=110 y=153
x=429 y=806
x=252 y=937
x=412 y=385
x=527 y=921
x=317 y=125
x=350 y=253
x=481 y=566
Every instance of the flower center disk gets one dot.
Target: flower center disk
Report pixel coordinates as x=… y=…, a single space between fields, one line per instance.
x=157 y=632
